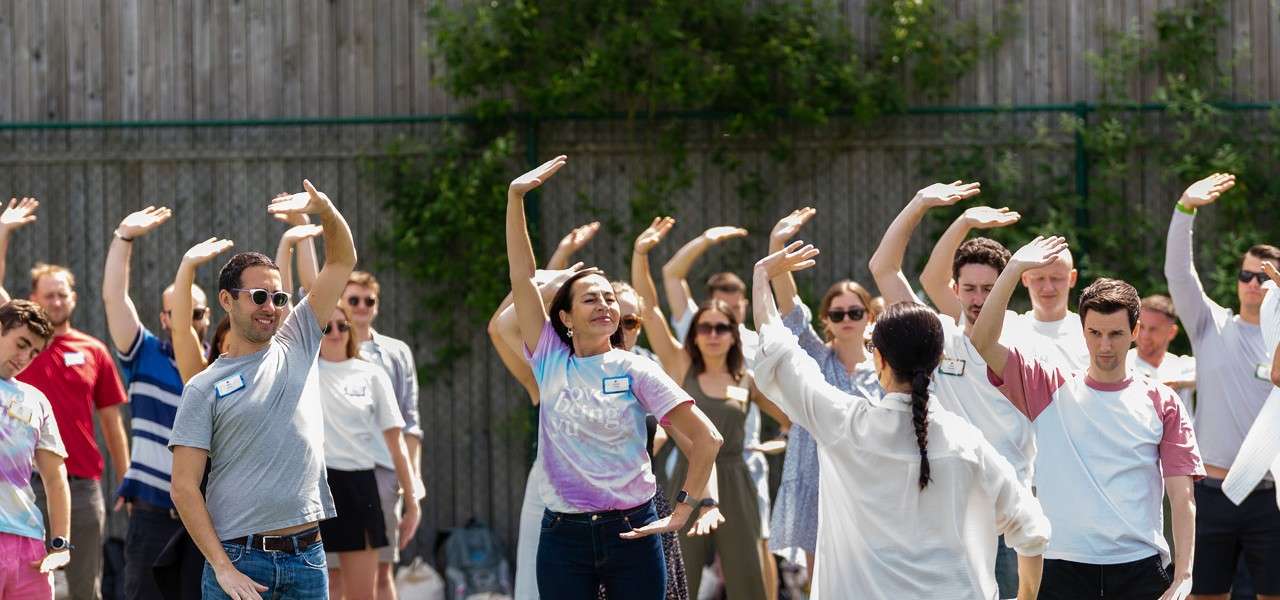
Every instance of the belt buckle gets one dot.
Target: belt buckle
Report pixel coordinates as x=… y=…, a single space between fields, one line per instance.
x=262 y=541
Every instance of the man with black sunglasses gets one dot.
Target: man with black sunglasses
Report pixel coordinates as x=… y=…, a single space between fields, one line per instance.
x=155 y=388
x=250 y=414
x=1233 y=382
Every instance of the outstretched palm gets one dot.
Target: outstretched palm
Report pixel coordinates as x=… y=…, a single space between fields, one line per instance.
x=205 y=251
x=579 y=237
x=297 y=233
x=1039 y=252
x=522 y=184
x=18 y=213
x=790 y=225
x=1208 y=189
x=715 y=235
x=310 y=201
x=653 y=236
x=796 y=256
x=946 y=194
x=985 y=217
x=143 y=221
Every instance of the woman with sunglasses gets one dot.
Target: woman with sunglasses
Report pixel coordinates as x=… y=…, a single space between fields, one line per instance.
x=912 y=499
x=600 y=522
x=363 y=437
x=846 y=314
x=713 y=371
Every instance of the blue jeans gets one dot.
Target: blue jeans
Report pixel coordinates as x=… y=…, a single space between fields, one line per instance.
x=577 y=553
x=1006 y=570
x=301 y=576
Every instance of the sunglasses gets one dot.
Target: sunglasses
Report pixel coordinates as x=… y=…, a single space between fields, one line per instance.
x=718 y=329
x=343 y=327
x=259 y=296
x=196 y=313
x=369 y=301
x=631 y=322
x=1245 y=276
x=855 y=314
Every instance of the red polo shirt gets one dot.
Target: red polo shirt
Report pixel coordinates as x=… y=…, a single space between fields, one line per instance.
x=77 y=374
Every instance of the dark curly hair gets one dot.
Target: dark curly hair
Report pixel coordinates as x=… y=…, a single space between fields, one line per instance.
x=980 y=251
x=17 y=313
x=229 y=276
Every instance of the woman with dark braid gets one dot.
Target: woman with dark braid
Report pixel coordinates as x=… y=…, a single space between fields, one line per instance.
x=912 y=499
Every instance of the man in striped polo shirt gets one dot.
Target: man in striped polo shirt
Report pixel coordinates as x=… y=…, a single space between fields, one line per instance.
x=155 y=388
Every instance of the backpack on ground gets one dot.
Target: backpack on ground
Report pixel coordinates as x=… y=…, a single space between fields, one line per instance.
x=475 y=562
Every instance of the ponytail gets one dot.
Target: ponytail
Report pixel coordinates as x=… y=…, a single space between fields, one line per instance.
x=919 y=418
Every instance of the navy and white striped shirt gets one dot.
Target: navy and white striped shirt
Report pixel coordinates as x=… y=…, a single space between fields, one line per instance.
x=154 y=387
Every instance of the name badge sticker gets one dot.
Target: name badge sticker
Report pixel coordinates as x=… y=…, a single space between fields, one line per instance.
x=1263 y=372
x=952 y=366
x=617 y=385
x=72 y=359
x=229 y=386
x=356 y=390
x=734 y=392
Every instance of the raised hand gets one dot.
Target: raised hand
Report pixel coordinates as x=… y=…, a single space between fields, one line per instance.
x=539 y=175
x=946 y=194
x=985 y=217
x=205 y=251
x=1207 y=190
x=796 y=256
x=715 y=235
x=576 y=239
x=310 y=201
x=18 y=213
x=297 y=233
x=788 y=226
x=1040 y=252
x=1271 y=271
x=290 y=218
x=653 y=235
x=143 y=221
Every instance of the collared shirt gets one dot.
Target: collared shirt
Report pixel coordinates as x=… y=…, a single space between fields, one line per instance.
x=155 y=389
x=881 y=536
x=396 y=358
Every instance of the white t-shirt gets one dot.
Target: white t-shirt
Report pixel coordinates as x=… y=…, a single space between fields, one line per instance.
x=1104 y=451
x=359 y=405
x=880 y=535
x=1059 y=343
x=1174 y=367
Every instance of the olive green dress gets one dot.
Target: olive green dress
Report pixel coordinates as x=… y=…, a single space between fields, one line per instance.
x=737 y=540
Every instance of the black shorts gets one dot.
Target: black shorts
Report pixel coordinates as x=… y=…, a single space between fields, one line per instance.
x=1144 y=579
x=1226 y=532
x=359 y=524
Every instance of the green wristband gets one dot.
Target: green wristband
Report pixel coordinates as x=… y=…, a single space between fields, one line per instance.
x=1183 y=208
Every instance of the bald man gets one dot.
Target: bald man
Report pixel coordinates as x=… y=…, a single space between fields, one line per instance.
x=1049 y=331
x=155 y=388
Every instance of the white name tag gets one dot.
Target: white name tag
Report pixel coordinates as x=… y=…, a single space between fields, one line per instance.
x=72 y=359
x=734 y=392
x=1263 y=372
x=356 y=390
x=952 y=366
x=617 y=385
x=229 y=386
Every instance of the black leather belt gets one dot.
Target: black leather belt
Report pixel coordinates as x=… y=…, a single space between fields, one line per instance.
x=149 y=507
x=294 y=543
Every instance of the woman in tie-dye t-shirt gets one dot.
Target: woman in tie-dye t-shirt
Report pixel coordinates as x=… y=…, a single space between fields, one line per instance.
x=600 y=522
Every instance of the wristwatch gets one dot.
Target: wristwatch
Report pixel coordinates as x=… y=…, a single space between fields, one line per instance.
x=59 y=544
x=683 y=498
x=707 y=503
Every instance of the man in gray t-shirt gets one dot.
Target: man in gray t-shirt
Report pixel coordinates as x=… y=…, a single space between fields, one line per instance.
x=251 y=417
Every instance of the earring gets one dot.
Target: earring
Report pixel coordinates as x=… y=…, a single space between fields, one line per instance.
x=569 y=332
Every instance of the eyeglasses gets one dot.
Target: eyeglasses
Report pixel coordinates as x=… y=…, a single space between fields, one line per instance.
x=259 y=296
x=196 y=313
x=855 y=314
x=1245 y=276
x=369 y=301
x=717 y=329
x=631 y=322
x=343 y=327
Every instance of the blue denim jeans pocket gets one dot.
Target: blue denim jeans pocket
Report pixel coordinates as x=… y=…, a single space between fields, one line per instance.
x=302 y=576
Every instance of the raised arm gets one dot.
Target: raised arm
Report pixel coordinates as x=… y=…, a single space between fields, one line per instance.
x=986 y=330
x=122 y=318
x=675 y=361
x=886 y=263
x=570 y=244
x=339 y=248
x=676 y=271
x=531 y=313
x=936 y=278
x=507 y=344
x=786 y=228
x=1195 y=308
x=187 y=352
x=18 y=213
x=300 y=237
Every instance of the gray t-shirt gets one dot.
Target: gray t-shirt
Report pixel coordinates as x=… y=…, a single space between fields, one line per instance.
x=260 y=418
x=396 y=358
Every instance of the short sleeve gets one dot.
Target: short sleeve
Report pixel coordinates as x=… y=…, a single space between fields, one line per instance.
x=1028 y=383
x=49 y=437
x=300 y=331
x=550 y=346
x=130 y=358
x=387 y=411
x=657 y=392
x=108 y=391
x=1179 y=454
x=193 y=425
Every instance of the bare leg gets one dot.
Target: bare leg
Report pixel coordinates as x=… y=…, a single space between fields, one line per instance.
x=335 y=585
x=769 y=567
x=359 y=574
x=386 y=581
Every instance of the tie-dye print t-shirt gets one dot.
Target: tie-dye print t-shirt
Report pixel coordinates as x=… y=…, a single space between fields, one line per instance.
x=26 y=425
x=591 y=425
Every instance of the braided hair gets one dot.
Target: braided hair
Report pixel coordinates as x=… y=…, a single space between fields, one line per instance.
x=909 y=338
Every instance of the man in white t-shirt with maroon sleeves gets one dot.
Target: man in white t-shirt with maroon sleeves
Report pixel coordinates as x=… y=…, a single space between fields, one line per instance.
x=1114 y=444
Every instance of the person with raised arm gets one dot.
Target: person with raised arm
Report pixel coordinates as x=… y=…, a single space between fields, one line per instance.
x=256 y=404
x=961 y=379
x=1110 y=446
x=711 y=366
x=845 y=312
x=600 y=521
x=912 y=498
x=1232 y=385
